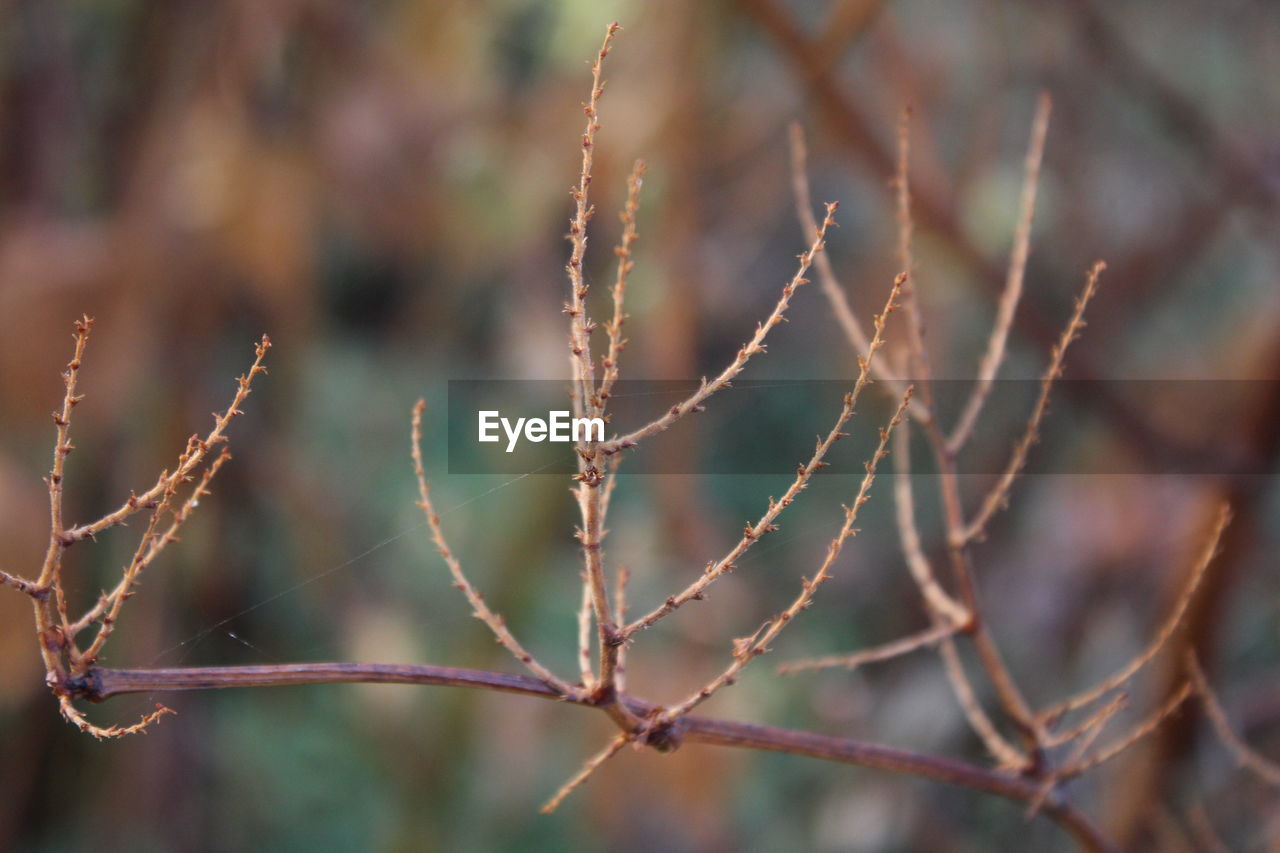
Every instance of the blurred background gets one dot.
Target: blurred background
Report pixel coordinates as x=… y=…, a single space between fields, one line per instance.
x=383 y=188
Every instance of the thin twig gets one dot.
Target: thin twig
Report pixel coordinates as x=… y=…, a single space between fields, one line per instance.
x=943 y=609
x=53 y=638
x=61 y=449
x=765 y=525
x=620 y=613
x=591 y=766
x=999 y=494
x=131 y=571
x=625 y=263
x=1094 y=721
x=584 y=636
x=921 y=370
x=752 y=347
x=479 y=607
x=579 y=326
x=1008 y=756
x=950 y=611
x=1167 y=629
x=1265 y=769
x=1137 y=733
x=158 y=544
x=991 y=360
x=827 y=280
x=81 y=722
x=826 y=275
x=216 y=436
x=1088 y=732
x=887 y=651
x=749 y=648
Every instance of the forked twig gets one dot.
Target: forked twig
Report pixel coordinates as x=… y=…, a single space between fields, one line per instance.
x=215 y=436
x=1137 y=733
x=1087 y=732
x=65 y=663
x=157 y=545
x=1094 y=721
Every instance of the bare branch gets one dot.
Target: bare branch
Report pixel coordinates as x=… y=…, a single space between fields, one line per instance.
x=748 y=648
x=216 y=436
x=1170 y=625
x=991 y=360
x=910 y=643
x=1265 y=769
x=477 y=602
x=999 y=494
x=79 y=720
x=158 y=544
x=579 y=326
x=1137 y=733
x=827 y=280
x=104 y=683
x=765 y=525
x=623 y=250
x=753 y=346
x=592 y=765
x=948 y=610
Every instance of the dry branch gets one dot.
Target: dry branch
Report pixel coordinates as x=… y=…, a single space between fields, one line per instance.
x=766 y=523
x=479 y=608
x=747 y=649
x=1171 y=624
x=1246 y=757
x=994 y=355
x=745 y=352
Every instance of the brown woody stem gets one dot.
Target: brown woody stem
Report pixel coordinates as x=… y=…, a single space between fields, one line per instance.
x=100 y=684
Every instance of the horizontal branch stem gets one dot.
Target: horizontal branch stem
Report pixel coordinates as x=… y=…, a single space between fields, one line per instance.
x=100 y=684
